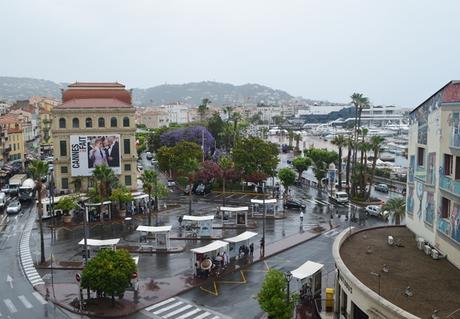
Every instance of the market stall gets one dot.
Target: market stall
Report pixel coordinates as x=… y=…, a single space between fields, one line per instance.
x=138 y=204
x=93 y=210
x=234 y=215
x=239 y=245
x=209 y=258
x=257 y=207
x=98 y=243
x=198 y=225
x=161 y=237
x=308 y=280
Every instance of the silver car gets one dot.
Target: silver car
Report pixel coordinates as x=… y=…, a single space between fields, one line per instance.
x=14 y=207
x=374 y=210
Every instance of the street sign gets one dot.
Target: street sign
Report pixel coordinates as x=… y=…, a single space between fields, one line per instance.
x=77 y=277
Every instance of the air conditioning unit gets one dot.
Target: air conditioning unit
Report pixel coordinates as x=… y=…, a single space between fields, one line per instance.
x=420 y=243
x=427 y=250
x=390 y=240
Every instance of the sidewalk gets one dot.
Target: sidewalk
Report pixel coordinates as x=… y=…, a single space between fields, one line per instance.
x=154 y=290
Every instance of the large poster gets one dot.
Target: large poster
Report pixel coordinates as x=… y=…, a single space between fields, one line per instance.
x=87 y=152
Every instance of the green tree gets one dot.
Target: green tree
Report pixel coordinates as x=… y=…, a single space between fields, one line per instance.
x=109 y=272
x=376 y=144
x=215 y=126
x=203 y=109
x=172 y=158
x=105 y=178
x=253 y=154
x=340 y=141
x=121 y=195
x=287 y=178
x=153 y=187
x=297 y=138
x=67 y=203
x=38 y=170
x=278 y=120
x=349 y=144
x=396 y=207
x=188 y=170
x=291 y=135
x=153 y=138
x=272 y=296
x=235 y=117
x=165 y=158
x=301 y=164
x=321 y=158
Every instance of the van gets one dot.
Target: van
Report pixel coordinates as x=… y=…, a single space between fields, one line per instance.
x=341 y=197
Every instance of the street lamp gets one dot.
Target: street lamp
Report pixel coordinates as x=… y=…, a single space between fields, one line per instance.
x=288 y=276
x=263 y=222
x=379 y=276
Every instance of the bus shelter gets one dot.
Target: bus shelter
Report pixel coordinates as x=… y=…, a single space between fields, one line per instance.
x=257 y=207
x=239 y=246
x=308 y=280
x=198 y=225
x=161 y=236
x=234 y=215
x=99 y=244
x=206 y=259
x=92 y=213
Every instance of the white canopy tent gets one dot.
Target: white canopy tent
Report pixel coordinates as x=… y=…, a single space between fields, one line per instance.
x=202 y=256
x=199 y=225
x=242 y=240
x=241 y=237
x=240 y=218
x=198 y=218
x=106 y=203
x=257 y=206
x=308 y=278
x=112 y=243
x=161 y=234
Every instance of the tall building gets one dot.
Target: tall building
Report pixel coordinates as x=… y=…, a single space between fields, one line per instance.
x=13 y=142
x=433 y=183
x=94 y=125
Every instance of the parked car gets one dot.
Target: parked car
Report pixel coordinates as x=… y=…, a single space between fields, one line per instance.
x=289 y=162
x=14 y=207
x=381 y=188
x=171 y=183
x=340 y=197
x=148 y=155
x=203 y=189
x=140 y=168
x=294 y=203
x=374 y=210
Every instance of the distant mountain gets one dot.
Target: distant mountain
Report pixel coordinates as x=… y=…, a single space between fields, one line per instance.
x=12 y=88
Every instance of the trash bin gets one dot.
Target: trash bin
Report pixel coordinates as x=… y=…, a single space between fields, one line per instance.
x=330 y=299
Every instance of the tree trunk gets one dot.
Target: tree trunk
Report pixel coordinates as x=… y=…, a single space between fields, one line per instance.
x=340 y=167
x=364 y=191
x=223 y=191
x=348 y=166
x=190 y=199
x=371 y=182
x=150 y=209
x=40 y=220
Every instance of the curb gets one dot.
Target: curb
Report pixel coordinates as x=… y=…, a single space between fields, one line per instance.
x=27 y=264
x=2 y=222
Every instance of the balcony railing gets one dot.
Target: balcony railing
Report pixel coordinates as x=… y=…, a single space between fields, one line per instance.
x=450 y=185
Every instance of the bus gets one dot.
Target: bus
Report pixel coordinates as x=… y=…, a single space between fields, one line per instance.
x=27 y=190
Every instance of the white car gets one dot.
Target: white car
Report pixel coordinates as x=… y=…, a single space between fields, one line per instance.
x=171 y=183
x=340 y=197
x=14 y=207
x=374 y=210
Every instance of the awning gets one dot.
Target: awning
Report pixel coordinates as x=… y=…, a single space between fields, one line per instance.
x=98 y=242
x=234 y=209
x=241 y=237
x=261 y=201
x=107 y=202
x=154 y=229
x=215 y=245
x=142 y=196
x=306 y=270
x=198 y=218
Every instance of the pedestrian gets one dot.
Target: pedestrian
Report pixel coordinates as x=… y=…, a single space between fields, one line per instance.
x=180 y=219
x=262 y=247
x=251 y=249
x=301 y=217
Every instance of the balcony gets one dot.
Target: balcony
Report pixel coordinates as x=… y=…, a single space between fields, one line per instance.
x=420 y=173
x=455 y=140
x=449 y=185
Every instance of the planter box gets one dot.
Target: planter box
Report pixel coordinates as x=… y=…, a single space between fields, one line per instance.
x=67 y=219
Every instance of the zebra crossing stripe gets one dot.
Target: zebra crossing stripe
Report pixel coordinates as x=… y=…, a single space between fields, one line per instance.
x=175 y=312
x=160 y=304
x=10 y=305
x=215 y=317
x=25 y=302
x=204 y=315
x=168 y=308
x=188 y=314
x=39 y=298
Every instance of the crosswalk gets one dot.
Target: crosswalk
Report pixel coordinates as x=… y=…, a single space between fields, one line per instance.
x=26 y=258
x=331 y=233
x=178 y=308
x=14 y=304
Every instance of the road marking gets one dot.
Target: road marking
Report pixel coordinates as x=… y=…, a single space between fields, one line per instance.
x=10 y=305
x=160 y=304
x=25 y=302
x=204 y=315
x=334 y=233
x=188 y=314
x=168 y=308
x=39 y=298
x=175 y=312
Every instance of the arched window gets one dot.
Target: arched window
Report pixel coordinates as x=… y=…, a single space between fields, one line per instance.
x=101 y=122
x=126 y=121
x=113 y=122
x=75 y=122
x=89 y=122
x=62 y=122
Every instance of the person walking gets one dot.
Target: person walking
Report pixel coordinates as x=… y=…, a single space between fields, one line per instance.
x=262 y=247
x=251 y=249
x=301 y=217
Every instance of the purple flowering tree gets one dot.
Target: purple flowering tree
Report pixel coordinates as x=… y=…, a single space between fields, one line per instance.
x=195 y=134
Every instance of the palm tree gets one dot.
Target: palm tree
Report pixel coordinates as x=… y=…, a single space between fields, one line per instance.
x=396 y=207
x=340 y=141
x=188 y=170
x=359 y=101
x=105 y=176
x=363 y=147
x=203 y=108
x=153 y=187
x=228 y=110
x=349 y=144
x=236 y=117
x=298 y=138
x=121 y=195
x=376 y=146
x=291 y=137
x=264 y=130
x=225 y=164
x=38 y=170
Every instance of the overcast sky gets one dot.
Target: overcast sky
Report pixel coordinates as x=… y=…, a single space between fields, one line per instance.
x=394 y=51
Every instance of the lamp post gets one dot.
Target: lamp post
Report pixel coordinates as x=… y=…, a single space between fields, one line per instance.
x=263 y=221
x=288 y=276
x=379 y=276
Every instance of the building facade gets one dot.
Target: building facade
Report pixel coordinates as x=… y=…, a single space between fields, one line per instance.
x=94 y=125
x=433 y=182
x=13 y=144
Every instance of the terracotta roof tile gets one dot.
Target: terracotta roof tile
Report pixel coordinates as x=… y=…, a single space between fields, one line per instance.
x=96 y=84
x=451 y=93
x=93 y=103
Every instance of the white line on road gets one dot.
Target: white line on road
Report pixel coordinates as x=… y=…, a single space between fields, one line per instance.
x=25 y=302
x=168 y=307
x=39 y=298
x=188 y=314
x=204 y=315
x=10 y=305
x=175 y=312
x=160 y=304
